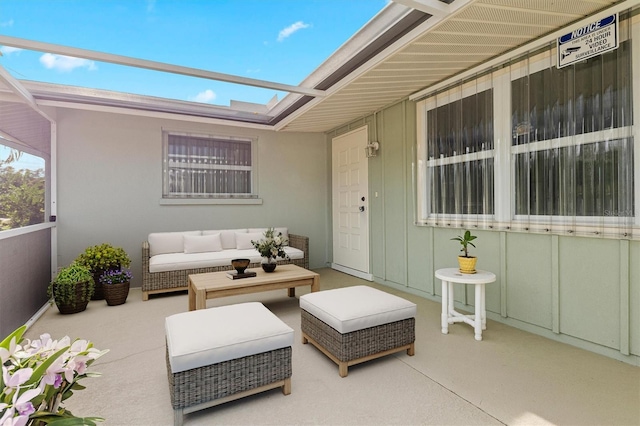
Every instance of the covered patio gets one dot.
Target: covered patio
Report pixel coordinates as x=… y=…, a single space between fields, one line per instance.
x=511 y=377
x=563 y=340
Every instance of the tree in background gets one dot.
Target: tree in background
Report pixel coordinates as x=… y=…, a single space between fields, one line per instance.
x=21 y=195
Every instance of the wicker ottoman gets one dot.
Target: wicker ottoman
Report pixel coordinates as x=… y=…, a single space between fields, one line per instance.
x=356 y=324
x=221 y=354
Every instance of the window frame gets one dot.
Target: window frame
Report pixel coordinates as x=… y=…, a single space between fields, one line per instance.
x=530 y=66
x=169 y=198
x=425 y=164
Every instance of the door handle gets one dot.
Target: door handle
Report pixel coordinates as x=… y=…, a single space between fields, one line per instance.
x=361 y=208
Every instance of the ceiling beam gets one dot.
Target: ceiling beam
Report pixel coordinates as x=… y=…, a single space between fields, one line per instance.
x=19 y=90
x=153 y=65
x=436 y=8
x=432 y=7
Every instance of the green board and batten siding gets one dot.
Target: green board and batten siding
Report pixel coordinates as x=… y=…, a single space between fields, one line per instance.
x=579 y=290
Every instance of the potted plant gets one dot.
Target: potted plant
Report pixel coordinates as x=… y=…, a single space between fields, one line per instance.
x=271 y=247
x=100 y=258
x=466 y=263
x=72 y=288
x=115 y=285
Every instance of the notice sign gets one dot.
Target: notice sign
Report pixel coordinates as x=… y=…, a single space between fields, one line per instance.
x=588 y=40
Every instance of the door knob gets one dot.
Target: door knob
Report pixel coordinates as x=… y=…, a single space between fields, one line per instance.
x=361 y=208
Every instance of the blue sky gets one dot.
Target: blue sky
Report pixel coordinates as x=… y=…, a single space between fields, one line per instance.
x=274 y=40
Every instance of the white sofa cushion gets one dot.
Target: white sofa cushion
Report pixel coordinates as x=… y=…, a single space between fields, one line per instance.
x=202 y=243
x=243 y=241
x=181 y=261
x=228 y=236
x=210 y=336
x=355 y=308
x=168 y=242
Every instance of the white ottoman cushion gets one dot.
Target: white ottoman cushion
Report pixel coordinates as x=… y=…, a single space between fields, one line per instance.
x=209 y=336
x=355 y=308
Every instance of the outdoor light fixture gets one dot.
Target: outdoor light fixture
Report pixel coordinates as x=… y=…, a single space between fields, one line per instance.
x=372 y=149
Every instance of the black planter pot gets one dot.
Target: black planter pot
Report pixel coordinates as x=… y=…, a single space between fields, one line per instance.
x=78 y=305
x=98 y=291
x=268 y=267
x=116 y=294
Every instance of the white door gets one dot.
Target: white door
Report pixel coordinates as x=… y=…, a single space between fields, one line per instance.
x=350 y=192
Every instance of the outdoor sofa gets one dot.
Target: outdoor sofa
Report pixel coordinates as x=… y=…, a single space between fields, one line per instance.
x=168 y=258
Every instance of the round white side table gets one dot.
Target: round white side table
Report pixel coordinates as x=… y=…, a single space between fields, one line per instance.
x=449 y=276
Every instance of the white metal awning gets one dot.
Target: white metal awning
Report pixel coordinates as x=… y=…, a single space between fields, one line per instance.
x=410 y=47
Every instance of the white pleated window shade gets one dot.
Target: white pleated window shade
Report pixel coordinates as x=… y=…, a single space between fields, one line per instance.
x=529 y=147
x=208 y=167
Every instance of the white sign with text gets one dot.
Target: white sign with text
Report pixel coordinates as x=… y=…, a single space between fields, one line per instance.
x=588 y=40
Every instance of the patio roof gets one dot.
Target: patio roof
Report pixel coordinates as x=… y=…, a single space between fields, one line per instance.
x=410 y=48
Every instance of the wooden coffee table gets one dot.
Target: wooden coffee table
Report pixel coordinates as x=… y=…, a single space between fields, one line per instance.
x=216 y=284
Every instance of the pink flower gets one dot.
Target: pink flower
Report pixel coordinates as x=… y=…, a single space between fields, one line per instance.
x=52 y=375
x=22 y=404
x=16 y=379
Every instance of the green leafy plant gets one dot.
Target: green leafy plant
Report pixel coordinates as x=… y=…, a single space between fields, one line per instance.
x=465 y=240
x=63 y=287
x=103 y=257
x=39 y=375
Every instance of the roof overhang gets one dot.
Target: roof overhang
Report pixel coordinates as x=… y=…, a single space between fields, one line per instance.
x=23 y=125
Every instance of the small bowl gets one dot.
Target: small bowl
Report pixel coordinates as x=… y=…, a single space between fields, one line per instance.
x=240 y=264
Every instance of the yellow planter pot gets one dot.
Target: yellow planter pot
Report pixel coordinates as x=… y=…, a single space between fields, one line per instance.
x=467 y=264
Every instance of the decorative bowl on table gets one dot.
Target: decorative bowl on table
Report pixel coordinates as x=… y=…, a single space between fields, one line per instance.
x=240 y=264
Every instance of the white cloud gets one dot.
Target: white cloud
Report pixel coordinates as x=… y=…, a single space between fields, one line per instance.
x=7 y=50
x=8 y=23
x=206 y=96
x=66 y=63
x=292 y=29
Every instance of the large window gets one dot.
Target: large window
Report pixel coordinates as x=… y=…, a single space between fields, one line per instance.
x=198 y=166
x=531 y=147
x=22 y=188
x=573 y=149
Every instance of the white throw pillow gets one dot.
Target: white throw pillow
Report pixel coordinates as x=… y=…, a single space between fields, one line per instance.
x=227 y=236
x=243 y=241
x=201 y=244
x=168 y=242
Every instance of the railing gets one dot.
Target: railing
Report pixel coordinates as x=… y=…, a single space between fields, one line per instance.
x=25 y=273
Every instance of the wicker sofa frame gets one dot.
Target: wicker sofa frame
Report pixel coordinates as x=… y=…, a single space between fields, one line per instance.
x=361 y=345
x=215 y=384
x=162 y=282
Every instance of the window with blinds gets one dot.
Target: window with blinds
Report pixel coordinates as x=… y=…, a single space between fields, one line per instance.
x=199 y=166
